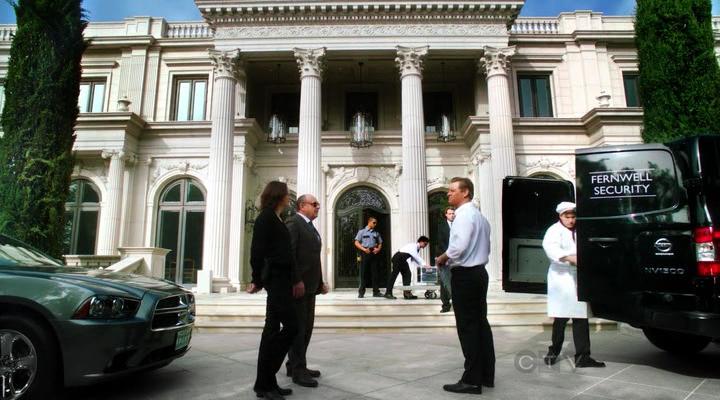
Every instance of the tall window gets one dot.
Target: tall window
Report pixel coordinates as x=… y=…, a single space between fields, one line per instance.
x=435 y=104
x=181 y=220
x=632 y=89
x=82 y=211
x=365 y=102
x=534 y=95
x=92 y=96
x=287 y=107
x=189 y=99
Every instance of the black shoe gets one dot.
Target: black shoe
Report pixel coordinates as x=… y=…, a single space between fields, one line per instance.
x=550 y=358
x=271 y=395
x=588 y=362
x=313 y=373
x=361 y=295
x=462 y=387
x=283 y=392
x=411 y=297
x=389 y=296
x=445 y=309
x=377 y=294
x=305 y=380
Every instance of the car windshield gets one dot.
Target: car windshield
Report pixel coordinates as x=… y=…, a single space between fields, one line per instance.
x=14 y=253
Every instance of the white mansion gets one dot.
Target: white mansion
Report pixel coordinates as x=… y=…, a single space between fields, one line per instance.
x=356 y=101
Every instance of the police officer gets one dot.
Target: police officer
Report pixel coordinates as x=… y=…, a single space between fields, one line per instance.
x=369 y=242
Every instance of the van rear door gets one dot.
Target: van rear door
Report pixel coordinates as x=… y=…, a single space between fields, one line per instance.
x=633 y=229
x=528 y=211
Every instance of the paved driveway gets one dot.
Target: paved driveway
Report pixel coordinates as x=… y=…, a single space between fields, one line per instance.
x=415 y=366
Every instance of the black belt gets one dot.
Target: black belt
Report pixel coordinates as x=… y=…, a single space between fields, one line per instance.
x=460 y=267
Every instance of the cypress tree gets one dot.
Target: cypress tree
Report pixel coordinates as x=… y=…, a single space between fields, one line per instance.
x=679 y=75
x=42 y=88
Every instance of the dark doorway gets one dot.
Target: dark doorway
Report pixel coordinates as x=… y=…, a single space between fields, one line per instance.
x=352 y=210
x=437 y=202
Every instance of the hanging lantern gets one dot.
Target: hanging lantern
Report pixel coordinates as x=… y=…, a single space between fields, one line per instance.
x=445 y=132
x=361 y=130
x=277 y=131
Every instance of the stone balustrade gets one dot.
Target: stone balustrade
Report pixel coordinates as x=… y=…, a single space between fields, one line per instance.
x=535 y=26
x=188 y=30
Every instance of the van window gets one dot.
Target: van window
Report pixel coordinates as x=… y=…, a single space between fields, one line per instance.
x=625 y=183
x=710 y=165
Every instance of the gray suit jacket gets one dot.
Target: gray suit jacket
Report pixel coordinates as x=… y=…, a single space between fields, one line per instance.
x=306 y=249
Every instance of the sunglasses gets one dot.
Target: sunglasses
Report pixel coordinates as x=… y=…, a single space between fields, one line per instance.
x=314 y=204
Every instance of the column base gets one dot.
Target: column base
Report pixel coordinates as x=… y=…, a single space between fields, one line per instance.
x=222 y=285
x=204 y=281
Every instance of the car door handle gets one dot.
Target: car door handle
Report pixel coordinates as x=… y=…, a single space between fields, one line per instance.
x=603 y=242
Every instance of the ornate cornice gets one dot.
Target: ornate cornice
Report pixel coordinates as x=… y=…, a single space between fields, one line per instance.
x=410 y=60
x=326 y=30
x=496 y=61
x=226 y=64
x=311 y=62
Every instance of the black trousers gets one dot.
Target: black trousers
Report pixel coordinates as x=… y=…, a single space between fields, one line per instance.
x=400 y=266
x=305 y=312
x=281 y=327
x=581 y=336
x=469 y=297
x=444 y=276
x=369 y=271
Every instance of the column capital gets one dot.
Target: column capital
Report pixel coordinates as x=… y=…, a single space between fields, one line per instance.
x=311 y=62
x=495 y=61
x=410 y=60
x=226 y=64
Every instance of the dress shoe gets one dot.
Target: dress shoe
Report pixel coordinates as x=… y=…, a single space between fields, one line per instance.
x=361 y=295
x=462 y=387
x=377 y=294
x=283 y=392
x=305 y=380
x=550 y=358
x=445 y=309
x=313 y=373
x=271 y=395
x=390 y=296
x=588 y=362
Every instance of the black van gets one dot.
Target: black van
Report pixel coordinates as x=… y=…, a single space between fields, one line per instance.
x=648 y=236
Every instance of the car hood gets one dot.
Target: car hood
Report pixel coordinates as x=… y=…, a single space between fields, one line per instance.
x=136 y=285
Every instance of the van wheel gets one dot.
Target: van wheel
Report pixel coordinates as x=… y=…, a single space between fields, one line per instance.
x=28 y=359
x=676 y=342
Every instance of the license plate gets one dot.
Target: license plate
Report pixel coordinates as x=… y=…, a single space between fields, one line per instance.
x=182 y=339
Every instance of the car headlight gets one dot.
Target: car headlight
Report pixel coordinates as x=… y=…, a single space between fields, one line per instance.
x=107 y=307
x=191 y=301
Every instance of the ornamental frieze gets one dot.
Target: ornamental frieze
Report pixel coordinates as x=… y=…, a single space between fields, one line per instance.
x=369 y=30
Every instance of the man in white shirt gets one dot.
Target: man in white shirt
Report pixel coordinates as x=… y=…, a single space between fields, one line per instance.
x=401 y=265
x=466 y=256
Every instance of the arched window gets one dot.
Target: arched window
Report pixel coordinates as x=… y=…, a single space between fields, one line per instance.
x=181 y=222
x=82 y=212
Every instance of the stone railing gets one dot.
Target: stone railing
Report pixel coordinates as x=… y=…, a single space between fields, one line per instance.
x=535 y=26
x=7 y=32
x=90 y=261
x=188 y=30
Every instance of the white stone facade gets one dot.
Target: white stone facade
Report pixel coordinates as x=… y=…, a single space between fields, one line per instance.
x=248 y=52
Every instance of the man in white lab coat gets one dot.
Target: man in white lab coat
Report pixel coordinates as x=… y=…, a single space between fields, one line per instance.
x=562 y=303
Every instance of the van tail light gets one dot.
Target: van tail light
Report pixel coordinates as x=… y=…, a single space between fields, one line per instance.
x=707 y=251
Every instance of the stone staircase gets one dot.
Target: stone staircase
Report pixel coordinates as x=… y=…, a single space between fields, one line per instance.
x=342 y=311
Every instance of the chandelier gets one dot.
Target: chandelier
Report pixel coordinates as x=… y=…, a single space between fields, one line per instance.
x=361 y=130
x=445 y=132
x=277 y=131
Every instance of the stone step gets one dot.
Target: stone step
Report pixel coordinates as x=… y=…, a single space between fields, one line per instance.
x=388 y=308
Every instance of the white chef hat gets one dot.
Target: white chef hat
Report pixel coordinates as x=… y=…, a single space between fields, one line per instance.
x=564 y=207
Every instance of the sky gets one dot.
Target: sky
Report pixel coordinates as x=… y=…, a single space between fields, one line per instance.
x=185 y=10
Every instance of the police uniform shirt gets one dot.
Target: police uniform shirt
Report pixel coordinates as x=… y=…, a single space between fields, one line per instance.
x=469 y=244
x=368 y=238
x=411 y=249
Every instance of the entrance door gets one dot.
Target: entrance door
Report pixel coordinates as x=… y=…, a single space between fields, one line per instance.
x=528 y=210
x=351 y=213
x=437 y=203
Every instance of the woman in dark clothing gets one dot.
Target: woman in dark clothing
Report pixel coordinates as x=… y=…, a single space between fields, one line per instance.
x=272 y=269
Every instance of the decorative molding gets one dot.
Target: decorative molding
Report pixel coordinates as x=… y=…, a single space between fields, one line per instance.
x=368 y=30
x=543 y=162
x=226 y=64
x=385 y=177
x=410 y=60
x=162 y=167
x=311 y=62
x=495 y=61
x=480 y=158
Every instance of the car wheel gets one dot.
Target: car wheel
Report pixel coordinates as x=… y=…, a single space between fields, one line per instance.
x=676 y=342
x=28 y=359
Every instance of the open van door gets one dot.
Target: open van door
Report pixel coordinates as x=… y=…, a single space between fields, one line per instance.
x=528 y=210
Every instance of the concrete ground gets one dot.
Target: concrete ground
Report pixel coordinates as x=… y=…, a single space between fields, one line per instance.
x=415 y=366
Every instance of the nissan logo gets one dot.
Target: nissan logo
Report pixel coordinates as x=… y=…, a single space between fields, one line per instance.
x=663 y=245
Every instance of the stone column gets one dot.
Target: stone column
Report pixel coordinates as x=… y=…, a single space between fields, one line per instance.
x=109 y=237
x=495 y=62
x=309 y=172
x=413 y=181
x=214 y=274
x=240 y=91
x=486 y=197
